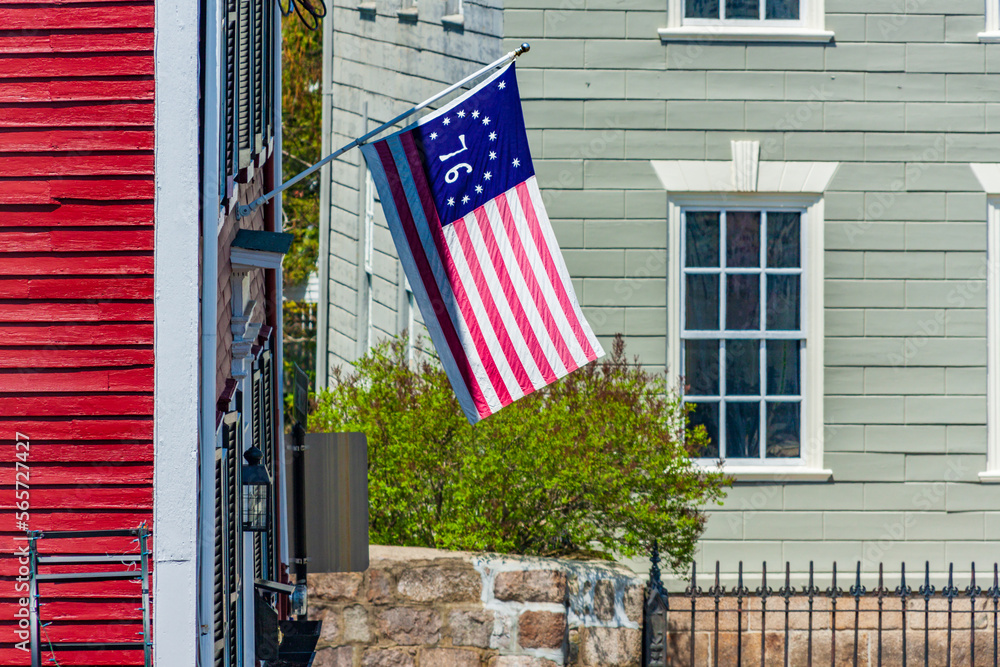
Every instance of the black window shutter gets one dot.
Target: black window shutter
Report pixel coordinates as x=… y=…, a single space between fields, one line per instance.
x=270 y=453
x=244 y=122
x=219 y=606
x=229 y=114
x=258 y=75
x=233 y=440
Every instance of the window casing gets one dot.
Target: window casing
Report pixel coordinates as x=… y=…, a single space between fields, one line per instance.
x=746 y=20
x=808 y=464
x=991 y=31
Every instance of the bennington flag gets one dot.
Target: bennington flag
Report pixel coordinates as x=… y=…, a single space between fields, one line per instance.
x=459 y=194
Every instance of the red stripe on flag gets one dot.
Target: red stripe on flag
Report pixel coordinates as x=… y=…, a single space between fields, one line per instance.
x=550 y=268
x=489 y=305
x=423 y=266
x=457 y=286
x=500 y=266
x=536 y=290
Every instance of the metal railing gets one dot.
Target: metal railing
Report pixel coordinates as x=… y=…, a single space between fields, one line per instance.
x=810 y=625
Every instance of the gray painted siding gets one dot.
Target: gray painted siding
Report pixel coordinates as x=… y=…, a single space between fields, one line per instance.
x=904 y=102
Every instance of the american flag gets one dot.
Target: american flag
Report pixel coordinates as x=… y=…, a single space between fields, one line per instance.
x=460 y=197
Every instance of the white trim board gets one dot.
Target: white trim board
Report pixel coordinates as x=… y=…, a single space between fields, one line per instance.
x=176 y=334
x=720 y=176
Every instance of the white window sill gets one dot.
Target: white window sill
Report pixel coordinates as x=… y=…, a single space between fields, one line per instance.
x=743 y=34
x=990 y=477
x=773 y=473
x=990 y=37
x=454 y=21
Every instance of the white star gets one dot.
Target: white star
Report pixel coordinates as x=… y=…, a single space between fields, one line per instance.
x=493 y=155
x=503 y=84
x=487 y=176
x=451 y=201
x=434 y=135
x=486 y=121
x=446 y=121
x=493 y=136
x=479 y=189
x=465 y=199
x=516 y=162
x=461 y=114
x=475 y=114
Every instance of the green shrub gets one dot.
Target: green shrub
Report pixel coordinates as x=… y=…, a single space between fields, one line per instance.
x=594 y=464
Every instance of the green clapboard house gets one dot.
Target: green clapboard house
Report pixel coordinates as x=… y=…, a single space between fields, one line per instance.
x=792 y=204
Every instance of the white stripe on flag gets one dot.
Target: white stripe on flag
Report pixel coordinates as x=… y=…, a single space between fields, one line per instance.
x=550 y=238
x=522 y=290
x=565 y=330
x=500 y=300
x=479 y=309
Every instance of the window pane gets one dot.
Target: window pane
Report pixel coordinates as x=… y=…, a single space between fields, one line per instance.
x=702 y=239
x=701 y=367
x=783 y=242
x=742 y=430
x=782 y=9
x=743 y=368
x=743 y=239
x=742 y=9
x=707 y=415
x=783 y=372
x=783 y=429
x=783 y=303
x=701 y=9
x=742 y=302
x=702 y=303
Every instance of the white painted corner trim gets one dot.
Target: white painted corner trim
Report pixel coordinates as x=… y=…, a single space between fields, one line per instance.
x=811 y=28
x=989 y=179
x=991 y=31
x=789 y=184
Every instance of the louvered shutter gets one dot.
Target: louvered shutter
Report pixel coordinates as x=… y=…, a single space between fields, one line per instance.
x=244 y=83
x=229 y=115
x=258 y=75
x=270 y=454
x=219 y=606
x=233 y=440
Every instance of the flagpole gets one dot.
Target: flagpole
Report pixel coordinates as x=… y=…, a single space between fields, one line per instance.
x=244 y=210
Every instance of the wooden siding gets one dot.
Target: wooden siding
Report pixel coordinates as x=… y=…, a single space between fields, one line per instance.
x=76 y=297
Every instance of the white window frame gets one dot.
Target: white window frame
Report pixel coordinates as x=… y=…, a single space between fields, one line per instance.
x=811 y=26
x=809 y=466
x=991 y=31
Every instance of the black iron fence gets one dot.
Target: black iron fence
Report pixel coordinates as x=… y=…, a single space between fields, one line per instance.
x=842 y=624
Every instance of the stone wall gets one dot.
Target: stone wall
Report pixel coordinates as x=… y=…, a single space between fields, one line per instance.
x=428 y=608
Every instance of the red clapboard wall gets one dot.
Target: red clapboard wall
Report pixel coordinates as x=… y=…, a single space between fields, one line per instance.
x=76 y=298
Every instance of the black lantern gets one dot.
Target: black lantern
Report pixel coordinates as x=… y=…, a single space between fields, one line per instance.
x=256 y=493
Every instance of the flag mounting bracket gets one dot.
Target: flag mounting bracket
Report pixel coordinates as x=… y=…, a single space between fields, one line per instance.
x=243 y=210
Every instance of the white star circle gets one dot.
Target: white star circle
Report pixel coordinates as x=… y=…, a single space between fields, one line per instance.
x=487 y=176
x=493 y=155
x=503 y=84
x=516 y=162
x=493 y=136
x=465 y=199
x=434 y=135
x=479 y=189
x=446 y=121
x=475 y=114
x=486 y=121
x=451 y=201
x=461 y=114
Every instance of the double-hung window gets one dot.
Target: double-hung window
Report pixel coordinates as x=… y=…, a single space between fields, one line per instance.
x=746 y=20
x=742 y=335
x=696 y=11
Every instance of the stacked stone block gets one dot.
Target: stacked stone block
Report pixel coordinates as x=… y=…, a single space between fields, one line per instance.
x=426 y=608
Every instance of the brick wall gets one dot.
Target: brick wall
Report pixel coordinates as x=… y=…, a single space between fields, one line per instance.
x=428 y=608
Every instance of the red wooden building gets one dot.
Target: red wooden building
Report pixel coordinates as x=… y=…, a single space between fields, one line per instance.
x=139 y=326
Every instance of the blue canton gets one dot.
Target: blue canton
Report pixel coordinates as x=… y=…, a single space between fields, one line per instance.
x=477 y=149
